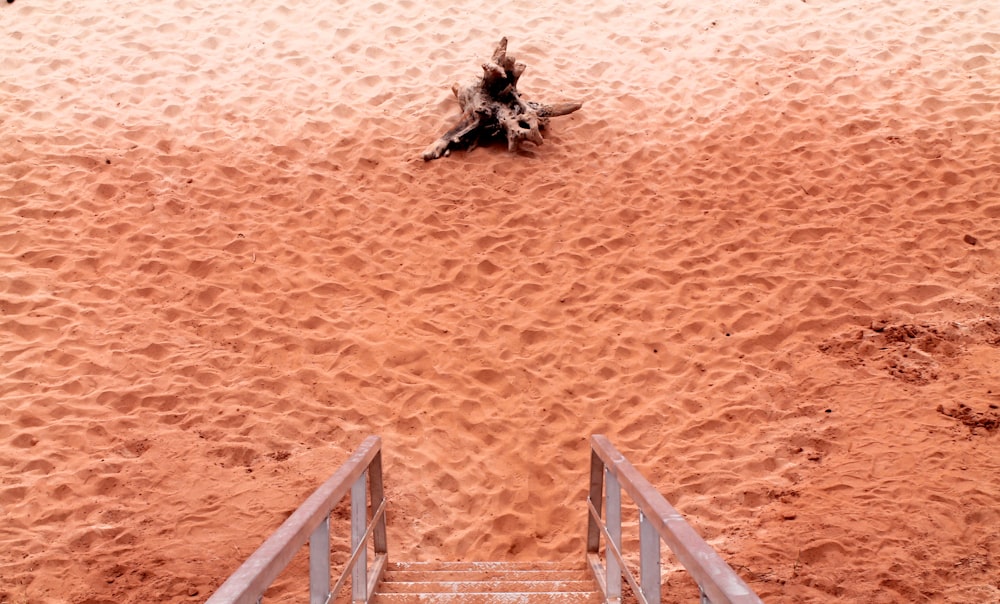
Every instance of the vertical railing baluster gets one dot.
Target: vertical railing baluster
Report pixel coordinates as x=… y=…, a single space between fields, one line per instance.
x=704 y=596
x=649 y=560
x=613 y=521
x=319 y=563
x=379 y=539
x=596 y=495
x=359 y=525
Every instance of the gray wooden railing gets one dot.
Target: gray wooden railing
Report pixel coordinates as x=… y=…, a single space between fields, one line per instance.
x=658 y=520
x=311 y=522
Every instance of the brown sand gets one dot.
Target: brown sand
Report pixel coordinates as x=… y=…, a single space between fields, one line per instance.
x=763 y=259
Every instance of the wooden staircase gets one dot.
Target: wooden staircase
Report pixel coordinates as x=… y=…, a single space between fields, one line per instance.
x=485 y=583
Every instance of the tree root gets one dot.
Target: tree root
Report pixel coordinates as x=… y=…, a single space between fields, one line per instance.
x=492 y=107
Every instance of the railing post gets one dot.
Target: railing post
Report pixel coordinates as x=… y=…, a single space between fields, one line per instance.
x=319 y=563
x=613 y=521
x=379 y=539
x=596 y=495
x=359 y=526
x=649 y=560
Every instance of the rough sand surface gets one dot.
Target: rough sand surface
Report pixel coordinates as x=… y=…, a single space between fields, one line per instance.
x=762 y=259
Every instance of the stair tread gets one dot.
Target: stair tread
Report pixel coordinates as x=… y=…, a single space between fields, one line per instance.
x=485 y=586
x=490 y=582
x=488 y=598
x=484 y=565
x=485 y=575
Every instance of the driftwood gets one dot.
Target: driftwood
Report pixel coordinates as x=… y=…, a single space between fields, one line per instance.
x=493 y=108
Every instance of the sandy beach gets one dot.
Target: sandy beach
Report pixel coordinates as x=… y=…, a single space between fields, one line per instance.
x=762 y=259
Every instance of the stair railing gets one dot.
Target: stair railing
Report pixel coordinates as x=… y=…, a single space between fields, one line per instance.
x=718 y=583
x=311 y=522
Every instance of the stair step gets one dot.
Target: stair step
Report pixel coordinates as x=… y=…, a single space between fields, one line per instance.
x=414 y=572
x=413 y=576
x=487 y=565
x=538 y=597
x=485 y=583
x=488 y=586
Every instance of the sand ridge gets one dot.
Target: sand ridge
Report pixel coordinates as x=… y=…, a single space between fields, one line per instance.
x=747 y=260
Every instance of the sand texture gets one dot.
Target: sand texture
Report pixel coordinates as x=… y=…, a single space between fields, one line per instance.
x=763 y=259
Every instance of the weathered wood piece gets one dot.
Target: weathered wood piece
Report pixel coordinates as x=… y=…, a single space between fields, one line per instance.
x=492 y=107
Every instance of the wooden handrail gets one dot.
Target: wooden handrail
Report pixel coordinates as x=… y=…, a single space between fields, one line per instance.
x=717 y=581
x=248 y=584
